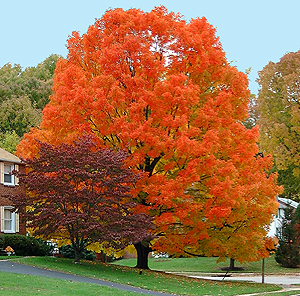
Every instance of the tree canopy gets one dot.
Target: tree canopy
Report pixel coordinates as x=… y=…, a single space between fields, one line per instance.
x=278 y=103
x=17 y=114
x=81 y=194
x=23 y=95
x=162 y=88
x=34 y=82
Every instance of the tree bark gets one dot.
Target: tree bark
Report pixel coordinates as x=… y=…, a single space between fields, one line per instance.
x=231 y=267
x=77 y=255
x=143 y=250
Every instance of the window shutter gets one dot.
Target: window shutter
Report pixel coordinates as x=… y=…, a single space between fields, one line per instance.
x=2 y=218
x=17 y=222
x=16 y=178
x=1 y=172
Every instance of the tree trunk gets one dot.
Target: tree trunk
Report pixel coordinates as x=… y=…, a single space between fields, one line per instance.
x=76 y=255
x=143 y=250
x=231 y=267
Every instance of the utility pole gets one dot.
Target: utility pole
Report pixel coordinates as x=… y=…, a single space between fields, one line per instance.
x=263 y=271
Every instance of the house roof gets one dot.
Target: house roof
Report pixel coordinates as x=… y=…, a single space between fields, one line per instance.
x=288 y=202
x=9 y=157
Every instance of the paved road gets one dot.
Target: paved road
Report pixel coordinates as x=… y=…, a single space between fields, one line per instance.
x=8 y=266
x=269 y=279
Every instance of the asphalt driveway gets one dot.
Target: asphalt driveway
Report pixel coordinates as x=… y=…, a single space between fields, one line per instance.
x=8 y=266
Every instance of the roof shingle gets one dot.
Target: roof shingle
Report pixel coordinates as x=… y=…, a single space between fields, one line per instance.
x=9 y=157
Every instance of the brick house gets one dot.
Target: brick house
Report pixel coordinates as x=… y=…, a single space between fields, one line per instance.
x=9 y=186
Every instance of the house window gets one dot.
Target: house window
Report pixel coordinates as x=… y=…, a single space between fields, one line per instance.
x=8 y=176
x=9 y=220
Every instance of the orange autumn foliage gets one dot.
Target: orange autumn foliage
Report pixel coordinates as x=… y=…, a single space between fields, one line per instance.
x=162 y=88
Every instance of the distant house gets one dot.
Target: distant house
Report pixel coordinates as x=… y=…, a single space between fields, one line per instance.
x=275 y=227
x=9 y=187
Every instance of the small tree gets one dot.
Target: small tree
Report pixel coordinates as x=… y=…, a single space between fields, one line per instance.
x=287 y=253
x=81 y=194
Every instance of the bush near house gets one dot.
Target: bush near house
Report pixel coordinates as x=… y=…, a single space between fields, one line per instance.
x=25 y=245
x=67 y=251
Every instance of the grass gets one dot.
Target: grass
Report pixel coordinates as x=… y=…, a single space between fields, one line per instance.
x=157 y=281
x=20 y=285
x=9 y=257
x=209 y=265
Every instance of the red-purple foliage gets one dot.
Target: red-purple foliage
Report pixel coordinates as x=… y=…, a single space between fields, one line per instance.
x=82 y=193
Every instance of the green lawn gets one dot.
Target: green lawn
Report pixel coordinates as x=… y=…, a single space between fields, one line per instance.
x=152 y=280
x=20 y=285
x=208 y=265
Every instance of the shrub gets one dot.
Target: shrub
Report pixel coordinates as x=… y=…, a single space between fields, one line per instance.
x=25 y=245
x=67 y=251
x=287 y=255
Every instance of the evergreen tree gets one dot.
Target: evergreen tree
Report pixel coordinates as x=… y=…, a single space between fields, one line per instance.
x=287 y=253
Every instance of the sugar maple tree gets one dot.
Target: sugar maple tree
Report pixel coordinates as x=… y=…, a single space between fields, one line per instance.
x=161 y=88
x=80 y=193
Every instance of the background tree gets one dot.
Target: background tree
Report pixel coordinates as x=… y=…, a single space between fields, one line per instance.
x=162 y=88
x=9 y=141
x=34 y=82
x=287 y=253
x=278 y=103
x=252 y=120
x=23 y=95
x=80 y=193
x=289 y=181
x=17 y=114
x=9 y=81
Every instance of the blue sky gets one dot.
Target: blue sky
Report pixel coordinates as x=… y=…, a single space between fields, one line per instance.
x=252 y=32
